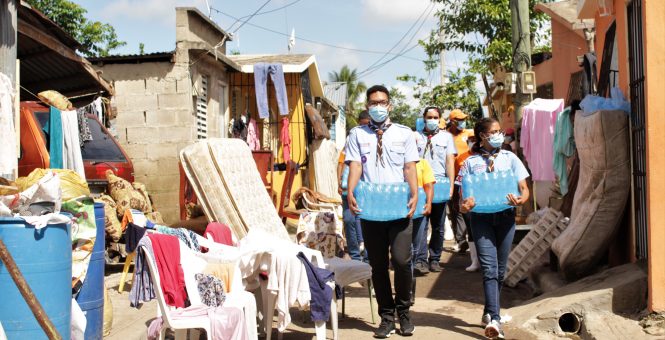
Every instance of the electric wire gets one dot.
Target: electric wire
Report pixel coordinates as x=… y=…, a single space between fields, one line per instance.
x=313 y=41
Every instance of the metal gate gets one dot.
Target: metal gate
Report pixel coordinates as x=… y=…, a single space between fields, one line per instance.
x=638 y=128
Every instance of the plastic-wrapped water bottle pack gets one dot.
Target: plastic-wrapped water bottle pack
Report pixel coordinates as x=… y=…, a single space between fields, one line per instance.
x=387 y=201
x=441 y=190
x=490 y=189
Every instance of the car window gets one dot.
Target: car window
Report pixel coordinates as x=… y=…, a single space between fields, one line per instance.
x=100 y=148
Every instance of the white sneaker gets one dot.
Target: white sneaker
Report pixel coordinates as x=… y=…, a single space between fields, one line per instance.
x=493 y=330
x=487 y=318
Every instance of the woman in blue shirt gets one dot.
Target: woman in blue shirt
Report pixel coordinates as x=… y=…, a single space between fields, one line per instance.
x=493 y=232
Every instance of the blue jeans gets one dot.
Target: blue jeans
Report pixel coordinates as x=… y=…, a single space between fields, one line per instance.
x=352 y=232
x=261 y=72
x=419 y=240
x=438 y=220
x=493 y=234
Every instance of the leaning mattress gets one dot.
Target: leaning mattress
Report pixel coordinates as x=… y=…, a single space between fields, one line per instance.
x=602 y=192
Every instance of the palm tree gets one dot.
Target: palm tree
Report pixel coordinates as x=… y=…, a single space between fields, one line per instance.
x=353 y=90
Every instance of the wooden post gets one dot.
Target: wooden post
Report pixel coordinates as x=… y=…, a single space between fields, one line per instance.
x=8 y=36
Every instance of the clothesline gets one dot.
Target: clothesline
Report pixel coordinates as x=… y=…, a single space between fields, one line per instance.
x=74 y=97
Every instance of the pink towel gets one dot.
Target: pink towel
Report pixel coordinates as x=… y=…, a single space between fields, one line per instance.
x=253 y=135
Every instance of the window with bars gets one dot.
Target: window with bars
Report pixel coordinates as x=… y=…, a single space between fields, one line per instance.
x=202 y=110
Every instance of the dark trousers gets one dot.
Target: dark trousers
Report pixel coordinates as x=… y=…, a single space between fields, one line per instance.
x=460 y=222
x=437 y=219
x=386 y=241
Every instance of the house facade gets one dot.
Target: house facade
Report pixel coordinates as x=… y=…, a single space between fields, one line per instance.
x=630 y=51
x=168 y=100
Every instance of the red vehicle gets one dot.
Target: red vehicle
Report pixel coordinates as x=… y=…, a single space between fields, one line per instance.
x=100 y=154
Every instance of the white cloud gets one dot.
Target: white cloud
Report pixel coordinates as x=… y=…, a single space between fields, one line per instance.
x=331 y=59
x=407 y=90
x=152 y=11
x=393 y=11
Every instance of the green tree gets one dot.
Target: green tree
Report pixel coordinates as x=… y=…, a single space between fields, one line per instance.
x=96 y=38
x=354 y=89
x=402 y=112
x=483 y=29
x=459 y=93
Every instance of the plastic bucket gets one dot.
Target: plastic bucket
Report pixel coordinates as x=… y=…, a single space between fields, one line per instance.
x=44 y=258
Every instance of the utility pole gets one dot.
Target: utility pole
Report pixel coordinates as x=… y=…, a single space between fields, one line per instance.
x=442 y=53
x=8 y=38
x=519 y=13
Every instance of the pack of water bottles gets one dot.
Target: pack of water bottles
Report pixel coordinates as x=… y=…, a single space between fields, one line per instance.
x=387 y=201
x=441 y=190
x=490 y=190
x=345 y=178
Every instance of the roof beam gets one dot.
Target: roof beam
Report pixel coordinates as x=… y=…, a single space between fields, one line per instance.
x=56 y=46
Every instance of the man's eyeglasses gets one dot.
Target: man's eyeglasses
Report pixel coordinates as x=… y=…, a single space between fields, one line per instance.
x=383 y=103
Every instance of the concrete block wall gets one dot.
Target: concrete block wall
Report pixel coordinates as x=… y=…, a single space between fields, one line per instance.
x=155 y=121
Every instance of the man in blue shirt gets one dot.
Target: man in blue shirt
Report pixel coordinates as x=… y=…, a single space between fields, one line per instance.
x=383 y=152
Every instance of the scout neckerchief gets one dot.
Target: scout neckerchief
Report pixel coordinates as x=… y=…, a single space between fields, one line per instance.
x=429 y=135
x=490 y=156
x=380 y=129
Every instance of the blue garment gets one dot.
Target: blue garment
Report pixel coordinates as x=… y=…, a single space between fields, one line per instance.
x=493 y=235
x=321 y=293
x=261 y=72
x=352 y=231
x=54 y=131
x=564 y=147
x=419 y=241
x=437 y=219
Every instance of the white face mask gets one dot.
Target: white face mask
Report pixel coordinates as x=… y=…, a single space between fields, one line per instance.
x=378 y=113
x=496 y=139
x=432 y=124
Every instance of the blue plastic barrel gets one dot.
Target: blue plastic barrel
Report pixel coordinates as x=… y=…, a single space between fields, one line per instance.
x=44 y=258
x=91 y=296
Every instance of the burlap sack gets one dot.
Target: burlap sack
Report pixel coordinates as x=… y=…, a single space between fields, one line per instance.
x=124 y=195
x=111 y=223
x=603 y=188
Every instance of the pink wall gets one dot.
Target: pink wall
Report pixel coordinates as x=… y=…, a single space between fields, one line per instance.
x=566 y=46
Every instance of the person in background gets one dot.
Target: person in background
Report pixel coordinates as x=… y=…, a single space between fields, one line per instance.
x=426 y=180
x=352 y=229
x=437 y=147
x=461 y=136
x=493 y=232
x=383 y=152
x=509 y=141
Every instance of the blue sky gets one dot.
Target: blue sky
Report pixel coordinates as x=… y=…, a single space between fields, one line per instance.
x=372 y=25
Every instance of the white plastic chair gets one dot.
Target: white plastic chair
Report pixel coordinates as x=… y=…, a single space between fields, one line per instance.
x=180 y=326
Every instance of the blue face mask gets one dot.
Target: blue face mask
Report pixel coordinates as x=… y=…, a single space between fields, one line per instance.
x=378 y=113
x=432 y=124
x=461 y=125
x=496 y=140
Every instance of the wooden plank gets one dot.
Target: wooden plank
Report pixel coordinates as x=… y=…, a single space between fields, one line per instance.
x=56 y=46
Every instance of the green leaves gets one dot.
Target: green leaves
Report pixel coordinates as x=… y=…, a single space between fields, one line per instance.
x=354 y=89
x=96 y=38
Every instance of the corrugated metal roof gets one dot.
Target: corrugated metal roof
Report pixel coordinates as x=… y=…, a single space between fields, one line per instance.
x=49 y=60
x=336 y=92
x=133 y=58
x=286 y=59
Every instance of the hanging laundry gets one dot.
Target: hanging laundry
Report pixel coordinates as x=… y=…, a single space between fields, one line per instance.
x=239 y=128
x=84 y=128
x=97 y=109
x=253 y=135
x=261 y=72
x=71 y=151
x=286 y=140
x=537 y=138
x=53 y=129
x=9 y=159
x=172 y=278
x=564 y=147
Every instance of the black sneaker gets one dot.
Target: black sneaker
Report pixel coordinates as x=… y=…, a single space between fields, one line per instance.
x=435 y=267
x=406 y=328
x=385 y=330
x=420 y=269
